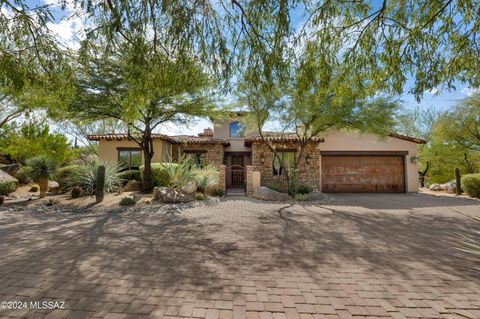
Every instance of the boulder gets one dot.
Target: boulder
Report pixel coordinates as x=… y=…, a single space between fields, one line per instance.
x=450 y=187
x=190 y=188
x=53 y=187
x=266 y=193
x=435 y=187
x=4 y=177
x=11 y=169
x=171 y=195
x=132 y=186
x=316 y=196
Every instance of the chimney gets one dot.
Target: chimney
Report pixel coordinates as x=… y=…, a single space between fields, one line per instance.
x=208 y=132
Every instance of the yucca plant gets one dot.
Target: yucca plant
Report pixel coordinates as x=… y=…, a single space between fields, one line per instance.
x=205 y=177
x=85 y=176
x=41 y=169
x=180 y=175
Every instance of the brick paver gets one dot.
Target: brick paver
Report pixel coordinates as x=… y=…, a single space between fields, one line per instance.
x=364 y=256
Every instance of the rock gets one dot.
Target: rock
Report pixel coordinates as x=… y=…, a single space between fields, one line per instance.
x=53 y=187
x=450 y=187
x=4 y=177
x=190 y=188
x=11 y=169
x=317 y=196
x=266 y=193
x=132 y=186
x=171 y=195
x=435 y=187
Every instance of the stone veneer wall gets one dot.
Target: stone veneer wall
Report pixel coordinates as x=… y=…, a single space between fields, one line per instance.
x=249 y=179
x=213 y=156
x=308 y=174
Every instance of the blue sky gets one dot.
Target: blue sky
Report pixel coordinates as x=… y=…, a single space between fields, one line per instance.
x=68 y=31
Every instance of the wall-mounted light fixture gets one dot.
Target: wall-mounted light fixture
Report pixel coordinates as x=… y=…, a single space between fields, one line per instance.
x=414 y=159
x=262 y=158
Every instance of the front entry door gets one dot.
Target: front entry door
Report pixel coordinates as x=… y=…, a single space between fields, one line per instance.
x=237 y=170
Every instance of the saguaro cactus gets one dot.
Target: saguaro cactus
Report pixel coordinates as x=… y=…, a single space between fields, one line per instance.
x=100 y=183
x=458 y=181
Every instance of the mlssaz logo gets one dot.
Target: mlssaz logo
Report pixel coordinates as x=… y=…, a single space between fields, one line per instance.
x=49 y=305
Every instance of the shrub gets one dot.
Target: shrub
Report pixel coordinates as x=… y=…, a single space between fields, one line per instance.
x=218 y=192
x=7 y=187
x=41 y=169
x=205 y=177
x=301 y=197
x=181 y=174
x=471 y=185
x=76 y=192
x=34 y=188
x=160 y=175
x=127 y=201
x=86 y=176
x=275 y=187
x=22 y=176
x=132 y=174
x=199 y=196
x=303 y=189
x=64 y=174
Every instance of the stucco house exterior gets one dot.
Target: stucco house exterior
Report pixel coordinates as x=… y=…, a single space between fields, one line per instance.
x=337 y=162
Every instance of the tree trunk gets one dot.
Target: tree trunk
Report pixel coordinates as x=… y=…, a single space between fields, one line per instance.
x=458 y=181
x=43 y=185
x=147 y=146
x=423 y=174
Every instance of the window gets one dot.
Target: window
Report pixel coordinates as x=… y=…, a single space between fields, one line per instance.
x=198 y=158
x=130 y=158
x=237 y=129
x=288 y=159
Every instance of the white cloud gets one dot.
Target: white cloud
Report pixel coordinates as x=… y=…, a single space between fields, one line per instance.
x=68 y=31
x=470 y=91
x=433 y=91
x=193 y=129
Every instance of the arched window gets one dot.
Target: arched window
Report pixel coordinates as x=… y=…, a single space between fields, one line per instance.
x=237 y=129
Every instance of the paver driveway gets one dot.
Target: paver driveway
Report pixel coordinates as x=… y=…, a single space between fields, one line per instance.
x=363 y=255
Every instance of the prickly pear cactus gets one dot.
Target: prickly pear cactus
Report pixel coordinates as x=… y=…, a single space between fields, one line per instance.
x=100 y=183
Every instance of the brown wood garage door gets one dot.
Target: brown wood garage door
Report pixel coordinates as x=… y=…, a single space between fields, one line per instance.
x=363 y=174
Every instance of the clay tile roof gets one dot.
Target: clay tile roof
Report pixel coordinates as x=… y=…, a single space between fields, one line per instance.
x=278 y=137
x=119 y=137
x=188 y=139
x=407 y=138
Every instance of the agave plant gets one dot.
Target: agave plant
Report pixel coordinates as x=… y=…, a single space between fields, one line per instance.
x=85 y=176
x=180 y=175
x=41 y=169
x=205 y=177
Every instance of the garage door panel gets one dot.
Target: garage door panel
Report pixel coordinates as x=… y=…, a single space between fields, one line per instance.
x=369 y=174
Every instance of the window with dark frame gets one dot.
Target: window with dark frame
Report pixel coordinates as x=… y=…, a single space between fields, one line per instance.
x=130 y=158
x=288 y=159
x=237 y=129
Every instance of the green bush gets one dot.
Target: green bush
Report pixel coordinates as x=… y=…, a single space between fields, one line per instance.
x=160 y=175
x=132 y=174
x=301 y=197
x=64 y=174
x=303 y=189
x=127 y=201
x=34 y=188
x=471 y=185
x=218 y=192
x=85 y=176
x=7 y=187
x=275 y=187
x=199 y=196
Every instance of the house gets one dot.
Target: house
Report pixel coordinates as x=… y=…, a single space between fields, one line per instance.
x=337 y=162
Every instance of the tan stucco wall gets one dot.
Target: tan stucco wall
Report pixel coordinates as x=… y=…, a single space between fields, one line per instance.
x=351 y=141
x=222 y=130
x=107 y=150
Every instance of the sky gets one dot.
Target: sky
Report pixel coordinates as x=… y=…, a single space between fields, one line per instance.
x=69 y=31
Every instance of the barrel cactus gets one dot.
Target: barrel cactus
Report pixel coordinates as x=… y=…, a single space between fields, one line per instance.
x=100 y=183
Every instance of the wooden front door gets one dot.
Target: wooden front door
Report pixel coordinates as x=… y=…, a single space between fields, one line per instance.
x=237 y=171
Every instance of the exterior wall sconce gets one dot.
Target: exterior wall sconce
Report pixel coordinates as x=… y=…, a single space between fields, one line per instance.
x=262 y=158
x=307 y=159
x=414 y=159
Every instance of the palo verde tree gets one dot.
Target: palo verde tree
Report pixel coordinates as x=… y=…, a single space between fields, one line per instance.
x=143 y=87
